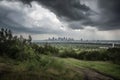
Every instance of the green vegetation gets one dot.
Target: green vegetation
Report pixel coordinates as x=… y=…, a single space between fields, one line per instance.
x=20 y=59
x=15 y=47
x=46 y=68
x=103 y=67
x=111 y=54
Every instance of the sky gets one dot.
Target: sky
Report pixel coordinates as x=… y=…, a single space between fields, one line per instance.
x=86 y=19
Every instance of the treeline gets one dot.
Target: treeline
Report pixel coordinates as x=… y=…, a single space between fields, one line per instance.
x=21 y=49
x=111 y=54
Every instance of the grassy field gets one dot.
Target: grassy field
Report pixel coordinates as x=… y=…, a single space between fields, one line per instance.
x=106 y=68
x=54 y=68
x=46 y=69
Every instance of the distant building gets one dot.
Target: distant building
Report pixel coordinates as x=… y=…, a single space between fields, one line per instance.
x=60 y=39
x=104 y=47
x=113 y=45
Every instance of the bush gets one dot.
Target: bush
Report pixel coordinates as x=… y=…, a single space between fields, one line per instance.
x=85 y=55
x=68 y=53
x=21 y=49
x=93 y=55
x=88 y=55
x=46 y=49
x=114 y=55
x=15 y=47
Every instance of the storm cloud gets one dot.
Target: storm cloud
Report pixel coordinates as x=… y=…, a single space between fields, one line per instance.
x=60 y=16
x=69 y=9
x=110 y=14
x=108 y=17
x=23 y=19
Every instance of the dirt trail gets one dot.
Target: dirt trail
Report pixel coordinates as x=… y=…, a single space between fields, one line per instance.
x=90 y=74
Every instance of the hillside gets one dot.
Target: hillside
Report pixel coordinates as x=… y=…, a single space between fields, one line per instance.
x=20 y=59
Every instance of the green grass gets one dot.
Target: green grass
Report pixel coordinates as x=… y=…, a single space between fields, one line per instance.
x=54 y=68
x=47 y=68
x=103 y=67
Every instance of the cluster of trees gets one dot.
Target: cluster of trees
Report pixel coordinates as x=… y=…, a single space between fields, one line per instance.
x=111 y=54
x=20 y=48
x=68 y=53
x=114 y=55
x=47 y=49
x=13 y=46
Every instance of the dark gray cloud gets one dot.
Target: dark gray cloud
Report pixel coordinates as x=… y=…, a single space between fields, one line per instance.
x=17 y=28
x=70 y=9
x=75 y=25
x=7 y=22
x=77 y=14
x=73 y=10
x=110 y=17
x=107 y=17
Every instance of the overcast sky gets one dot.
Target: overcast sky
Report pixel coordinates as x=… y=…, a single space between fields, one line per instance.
x=87 y=19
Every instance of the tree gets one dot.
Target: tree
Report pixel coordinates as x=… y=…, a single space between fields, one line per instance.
x=10 y=35
x=29 y=39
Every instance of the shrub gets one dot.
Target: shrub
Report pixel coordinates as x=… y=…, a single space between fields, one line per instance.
x=114 y=55
x=46 y=49
x=93 y=55
x=68 y=53
x=15 y=47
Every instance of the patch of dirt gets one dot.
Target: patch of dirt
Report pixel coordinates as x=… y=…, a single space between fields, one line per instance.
x=90 y=74
x=5 y=67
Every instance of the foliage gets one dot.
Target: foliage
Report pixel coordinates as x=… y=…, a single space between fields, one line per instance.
x=68 y=53
x=114 y=55
x=111 y=54
x=30 y=57
x=22 y=49
x=15 y=47
x=93 y=55
x=47 y=49
x=40 y=67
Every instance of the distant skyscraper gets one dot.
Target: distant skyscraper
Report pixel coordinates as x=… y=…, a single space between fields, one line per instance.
x=113 y=45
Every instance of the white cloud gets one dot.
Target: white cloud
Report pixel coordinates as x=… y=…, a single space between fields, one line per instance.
x=31 y=17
